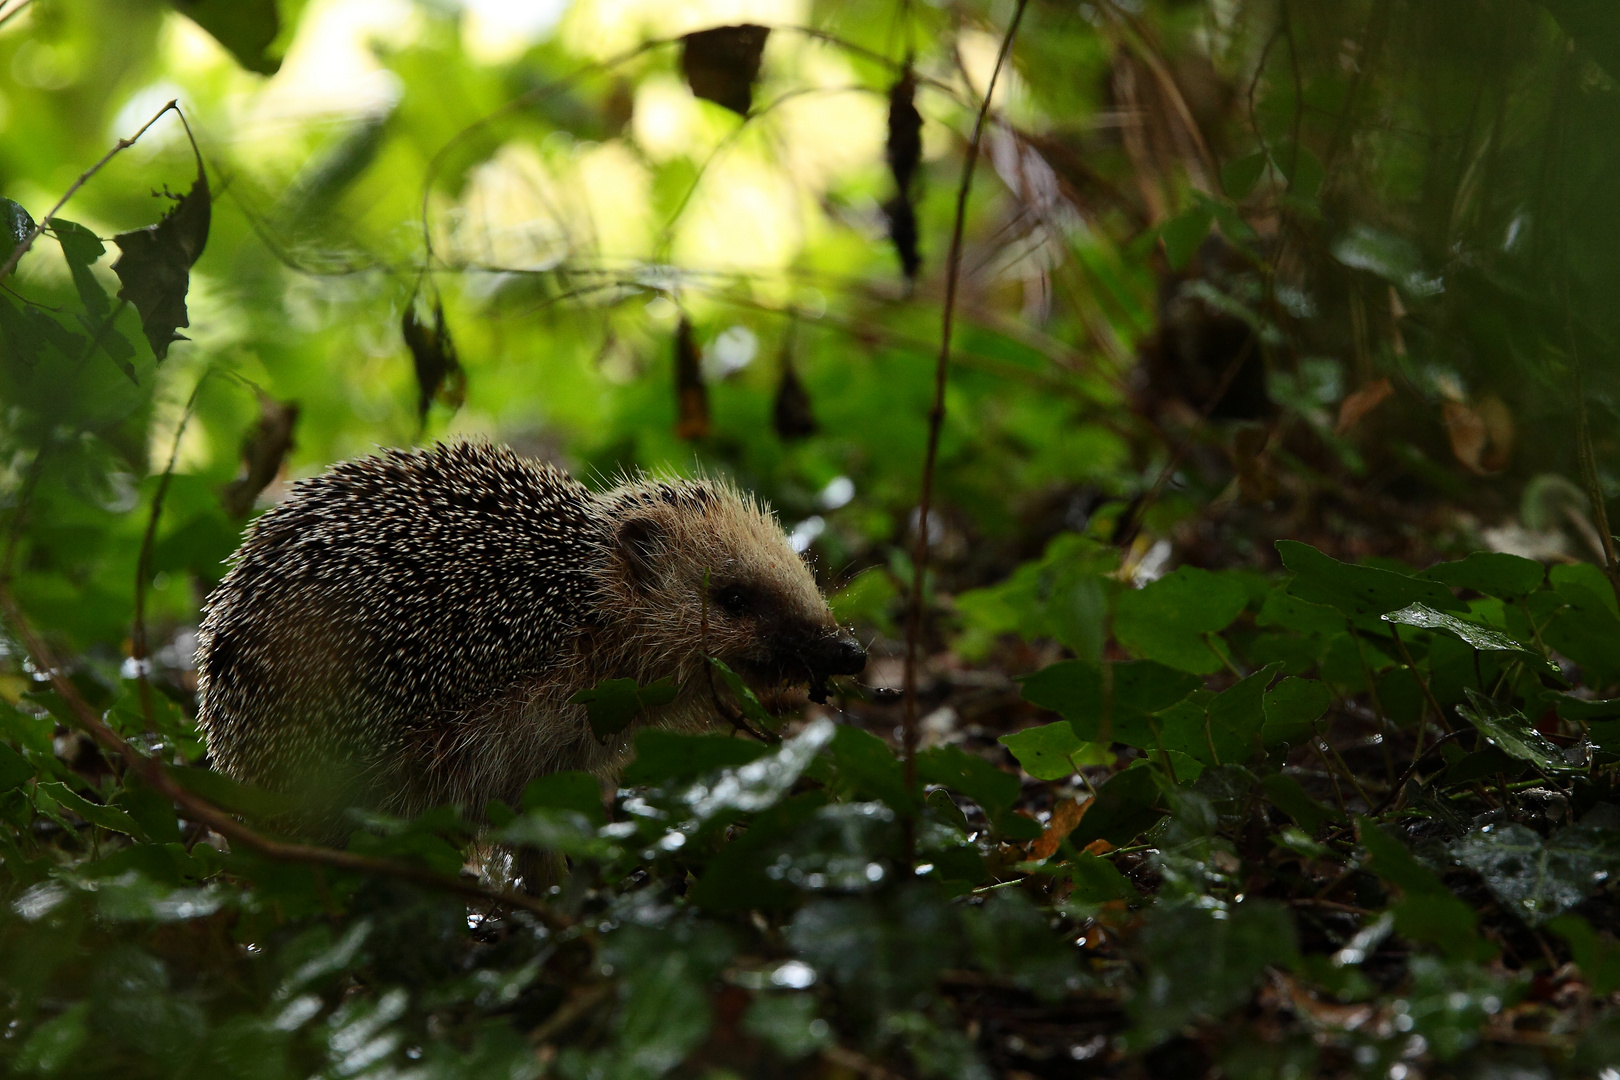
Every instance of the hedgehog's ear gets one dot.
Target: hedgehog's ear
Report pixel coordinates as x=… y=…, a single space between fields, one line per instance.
x=639 y=541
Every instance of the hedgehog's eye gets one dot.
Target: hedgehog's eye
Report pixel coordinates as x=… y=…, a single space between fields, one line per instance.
x=734 y=600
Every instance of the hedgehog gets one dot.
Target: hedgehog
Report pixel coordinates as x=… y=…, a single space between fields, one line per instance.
x=410 y=630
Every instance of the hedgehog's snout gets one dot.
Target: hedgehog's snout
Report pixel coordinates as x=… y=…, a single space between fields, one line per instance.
x=837 y=654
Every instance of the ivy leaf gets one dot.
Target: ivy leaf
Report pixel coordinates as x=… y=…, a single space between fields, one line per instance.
x=155 y=265
x=613 y=704
x=1168 y=619
x=1535 y=878
x=1291 y=708
x=1493 y=573
x=722 y=63
x=1509 y=731
x=1053 y=751
x=1358 y=590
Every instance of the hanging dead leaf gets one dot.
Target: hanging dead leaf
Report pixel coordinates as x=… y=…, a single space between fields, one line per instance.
x=903 y=232
x=439 y=375
x=154 y=265
x=904 y=148
x=1481 y=434
x=691 y=396
x=1065 y=816
x=793 y=415
x=1360 y=403
x=263 y=452
x=722 y=63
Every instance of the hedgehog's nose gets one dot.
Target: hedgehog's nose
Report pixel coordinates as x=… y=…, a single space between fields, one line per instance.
x=842 y=655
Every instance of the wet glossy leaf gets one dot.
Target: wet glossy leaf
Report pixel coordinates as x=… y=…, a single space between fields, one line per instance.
x=1535 y=878
x=1480 y=637
x=1168 y=620
x=155 y=265
x=1509 y=731
x=1288 y=796
x=721 y=64
x=992 y=788
x=53 y=1044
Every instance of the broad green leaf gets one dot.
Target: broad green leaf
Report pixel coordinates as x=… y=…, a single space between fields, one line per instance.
x=573 y=790
x=1126 y=805
x=993 y=788
x=1236 y=715
x=1053 y=751
x=1509 y=731
x=868 y=768
x=1292 y=708
x=1098 y=881
x=787 y=1022
x=1480 y=637
x=613 y=704
x=1358 y=591
x=662 y=756
x=1168 y=619
x=1596 y=955
x=54 y=1042
x=1540 y=879
x=1183 y=234
x=1286 y=794
x=565 y=831
x=1493 y=573
x=1200 y=963
x=1075 y=690
x=1239 y=175
x=14 y=768
x=232 y=795
x=247 y=28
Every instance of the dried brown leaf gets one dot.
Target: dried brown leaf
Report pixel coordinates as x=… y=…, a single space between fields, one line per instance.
x=1359 y=404
x=722 y=63
x=439 y=375
x=691 y=396
x=263 y=452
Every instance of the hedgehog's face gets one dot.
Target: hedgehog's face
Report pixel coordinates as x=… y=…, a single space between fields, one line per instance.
x=713 y=575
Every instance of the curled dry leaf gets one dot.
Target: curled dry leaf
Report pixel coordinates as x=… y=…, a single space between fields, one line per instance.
x=1360 y=403
x=903 y=231
x=1065 y=816
x=263 y=452
x=1481 y=434
x=439 y=375
x=155 y=264
x=691 y=396
x=793 y=416
x=722 y=63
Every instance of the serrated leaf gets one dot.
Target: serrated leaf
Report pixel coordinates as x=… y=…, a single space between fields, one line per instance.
x=107 y=817
x=155 y=265
x=1509 y=731
x=1168 y=620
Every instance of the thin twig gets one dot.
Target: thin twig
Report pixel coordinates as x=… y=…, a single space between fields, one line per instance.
x=156 y=776
x=936 y=415
x=40 y=226
x=14 y=12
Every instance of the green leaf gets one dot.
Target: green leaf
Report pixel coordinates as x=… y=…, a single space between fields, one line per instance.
x=53 y=1044
x=572 y=790
x=1236 y=716
x=1053 y=751
x=1292 y=708
x=613 y=704
x=1097 y=881
x=1493 y=573
x=1358 y=591
x=247 y=28
x=1239 y=175
x=1509 y=731
x=867 y=768
x=1200 y=963
x=1167 y=620
x=663 y=756
x=1480 y=637
x=1286 y=794
x=565 y=831
x=1598 y=956
x=1074 y=690
x=107 y=817
x=1183 y=234
x=14 y=768
x=788 y=1024
x=1535 y=878
x=1127 y=805
x=232 y=795
x=750 y=705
